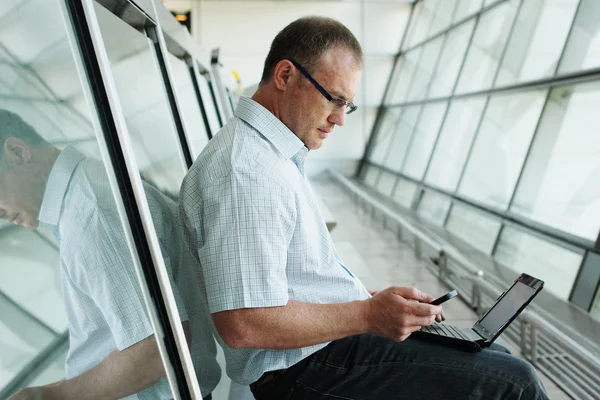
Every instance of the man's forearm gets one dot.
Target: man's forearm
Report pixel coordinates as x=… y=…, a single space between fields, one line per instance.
x=122 y=373
x=292 y=326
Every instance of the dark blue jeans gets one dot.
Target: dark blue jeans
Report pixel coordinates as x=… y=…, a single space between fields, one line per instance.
x=371 y=367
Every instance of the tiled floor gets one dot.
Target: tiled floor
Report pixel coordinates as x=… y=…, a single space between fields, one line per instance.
x=380 y=260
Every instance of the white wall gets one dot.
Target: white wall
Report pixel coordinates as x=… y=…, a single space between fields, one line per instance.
x=244 y=31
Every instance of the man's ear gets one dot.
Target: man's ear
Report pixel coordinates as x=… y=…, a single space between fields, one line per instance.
x=284 y=71
x=16 y=152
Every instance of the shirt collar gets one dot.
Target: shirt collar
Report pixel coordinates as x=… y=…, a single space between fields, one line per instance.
x=261 y=119
x=57 y=185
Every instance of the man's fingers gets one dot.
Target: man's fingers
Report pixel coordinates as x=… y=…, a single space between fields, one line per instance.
x=423 y=309
x=411 y=293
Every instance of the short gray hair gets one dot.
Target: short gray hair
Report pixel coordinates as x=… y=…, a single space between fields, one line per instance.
x=306 y=40
x=12 y=125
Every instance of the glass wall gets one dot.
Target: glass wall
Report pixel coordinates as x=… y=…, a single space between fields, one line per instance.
x=40 y=94
x=70 y=293
x=491 y=119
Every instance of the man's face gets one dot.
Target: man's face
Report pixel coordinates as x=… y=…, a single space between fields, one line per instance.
x=17 y=203
x=306 y=111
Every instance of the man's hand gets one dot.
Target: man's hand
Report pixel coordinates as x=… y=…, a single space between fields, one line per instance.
x=396 y=312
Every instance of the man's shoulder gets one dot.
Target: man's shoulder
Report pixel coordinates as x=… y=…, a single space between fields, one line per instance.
x=237 y=149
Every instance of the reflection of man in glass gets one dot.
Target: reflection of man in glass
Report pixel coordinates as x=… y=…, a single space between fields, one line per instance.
x=112 y=349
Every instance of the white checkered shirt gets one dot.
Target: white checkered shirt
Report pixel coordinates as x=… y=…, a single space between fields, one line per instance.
x=101 y=292
x=257 y=231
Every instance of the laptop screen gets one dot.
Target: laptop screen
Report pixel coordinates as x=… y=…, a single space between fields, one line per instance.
x=507 y=307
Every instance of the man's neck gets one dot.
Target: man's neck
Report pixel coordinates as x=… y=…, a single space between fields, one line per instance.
x=266 y=96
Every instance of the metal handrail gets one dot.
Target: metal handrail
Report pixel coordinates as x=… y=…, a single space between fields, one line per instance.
x=534 y=321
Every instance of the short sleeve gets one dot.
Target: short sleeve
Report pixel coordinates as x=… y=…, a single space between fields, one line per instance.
x=242 y=228
x=109 y=278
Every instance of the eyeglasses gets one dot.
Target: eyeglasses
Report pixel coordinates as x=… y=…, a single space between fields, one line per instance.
x=337 y=102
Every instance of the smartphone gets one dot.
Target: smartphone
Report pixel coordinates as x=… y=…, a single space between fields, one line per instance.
x=444 y=298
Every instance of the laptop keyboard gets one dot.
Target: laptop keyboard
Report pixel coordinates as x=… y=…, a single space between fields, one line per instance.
x=445 y=330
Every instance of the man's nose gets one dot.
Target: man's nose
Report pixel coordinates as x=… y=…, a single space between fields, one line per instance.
x=338 y=117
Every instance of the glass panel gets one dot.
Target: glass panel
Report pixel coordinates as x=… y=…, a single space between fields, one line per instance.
x=474 y=227
x=424 y=71
x=500 y=147
x=560 y=182
x=144 y=101
x=537 y=40
x=404 y=193
x=39 y=91
x=209 y=105
x=596 y=306
x=423 y=25
x=487 y=48
x=386 y=183
x=450 y=60
x=424 y=138
x=583 y=46
x=22 y=336
x=189 y=107
x=78 y=259
x=54 y=372
x=402 y=137
x=490 y=2
x=405 y=79
x=417 y=10
x=466 y=8
x=555 y=265
x=158 y=155
x=454 y=143
x=443 y=11
x=385 y=134
x=434 y=207
x=371 y=175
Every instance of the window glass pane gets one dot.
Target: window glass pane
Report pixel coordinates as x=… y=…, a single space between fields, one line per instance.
x=486 y=48
x=424 y=138
x=53 y=372
x=422 y=76
x=537 y=40
x=402 y=137
x=389 y=98
x=158 y=156
x=416 y=14
x=405 y=79
x=454 y=143
x=596 y=306
x=434 y=207
x=386 y=183
x=189 y=107
x=145 y=105
x=490 y=2
x=560 y=182
x=371 y=175
x=212 y=113
x=583 y=46
x=450 y=60
x=474 y=227
x=40 y=104
x=443 y=11
x=385 y=134
x=423 y=26
x=405 y=192
x=466 y=8
x=78 y=259
x=556 y=266
x=500 y=147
